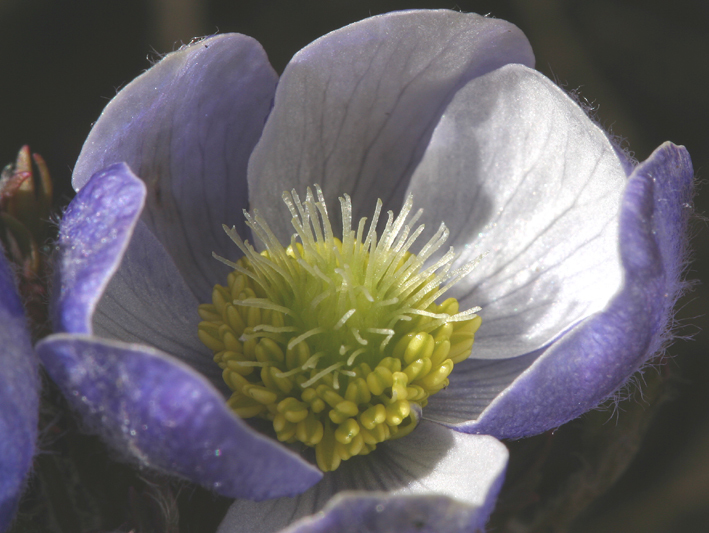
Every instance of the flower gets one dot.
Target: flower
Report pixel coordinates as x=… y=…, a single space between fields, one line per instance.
x=584 y=254
x=19 y=397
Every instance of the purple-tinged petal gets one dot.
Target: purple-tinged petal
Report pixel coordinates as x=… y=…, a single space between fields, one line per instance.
x=93 y=236
x=143 y=402
x=187 y=127
x=383 y=513
x=147 y=301
x=517 y=170
x=164 y=415
x=19 y=397
x=594 y=359
x=355 y=109
x=432 y=460
x=117 y=281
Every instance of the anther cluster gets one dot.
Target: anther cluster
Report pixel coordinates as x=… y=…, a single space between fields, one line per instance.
x=338 y=342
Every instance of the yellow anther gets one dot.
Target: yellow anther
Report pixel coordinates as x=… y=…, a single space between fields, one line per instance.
x=329 y=396
x=391 y=363
x=418 y=369
x=245 y=407
x=260 y=394
x=342 y=450
x=223 y=330
x=235 y=321
x=209 y=335
x=404 y=428
x=342 y=411
x=378 y=380
x=237 y=282
x=443 y=332
x=309 y=431
x=239 y=366
x=253 y=317
x=267 y=378
x=277 y=320
x=292 y=409
x=227 y=356
x=397 y=412
x=297 y=356
x=283 y=384
x=209 y=313
x=235 y=380
x=363 y=370
x=367 y=436
x=219 y=299
x=358 y=391
x=285 y=430
x=373 y=416
x=267 y=351
x=398 y=386
x=461 y=350
x=378 y=433
x=401 y=345
x=250 y=348
x=325 y=455
x=415 y=393
x=419 y=347
x=462 y=339
x=450 y=306
x=356 y=445
x=310 y=396
x=436 y=377
x=347 y=431
x=440 y=353
x=230 y=342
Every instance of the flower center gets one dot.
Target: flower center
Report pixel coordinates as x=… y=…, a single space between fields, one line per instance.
x=338 y=342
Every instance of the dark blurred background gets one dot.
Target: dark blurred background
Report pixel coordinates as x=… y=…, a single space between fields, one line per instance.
x=643 y=65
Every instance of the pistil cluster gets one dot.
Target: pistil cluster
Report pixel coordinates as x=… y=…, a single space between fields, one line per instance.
x=339 y=343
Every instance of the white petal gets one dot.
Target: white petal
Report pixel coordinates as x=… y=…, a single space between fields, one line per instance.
x=431 y=460
x=186 y=127
x=148 y=302
x=354 y=110
x=517 y=171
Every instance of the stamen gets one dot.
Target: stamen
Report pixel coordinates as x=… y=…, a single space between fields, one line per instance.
x=350 y=360
x=317 y=376
x=360 y=339
x=344 y=318
x=304 y=336
x=310 y=363
x=263 y=303
x=290 y=373
x=277 y=329
x=379 y=331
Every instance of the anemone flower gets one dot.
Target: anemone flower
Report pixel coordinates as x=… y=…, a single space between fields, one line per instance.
x=580 y=253
x=19 y=397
